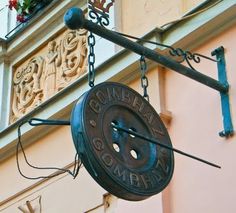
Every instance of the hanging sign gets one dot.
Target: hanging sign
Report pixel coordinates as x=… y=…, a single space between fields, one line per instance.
x=118 y=135
x=125 y=165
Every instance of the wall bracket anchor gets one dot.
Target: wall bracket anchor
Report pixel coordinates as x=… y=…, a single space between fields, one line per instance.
x=225 y=104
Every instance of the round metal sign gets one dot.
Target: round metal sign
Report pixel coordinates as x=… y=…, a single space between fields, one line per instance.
x=123 y=164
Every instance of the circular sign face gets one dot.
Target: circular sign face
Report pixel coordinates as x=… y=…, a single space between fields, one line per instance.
x=123 y=164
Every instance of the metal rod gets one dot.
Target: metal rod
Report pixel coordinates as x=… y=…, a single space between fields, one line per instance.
x=39 y=122
x=74 y=19
x=164 y=45
x=136 y=134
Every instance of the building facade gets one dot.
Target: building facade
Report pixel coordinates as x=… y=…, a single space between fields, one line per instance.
x=43 y=71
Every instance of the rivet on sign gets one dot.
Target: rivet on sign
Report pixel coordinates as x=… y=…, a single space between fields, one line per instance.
x=93 y=123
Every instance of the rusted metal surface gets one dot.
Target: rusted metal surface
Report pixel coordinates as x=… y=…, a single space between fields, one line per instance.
x=125 y=165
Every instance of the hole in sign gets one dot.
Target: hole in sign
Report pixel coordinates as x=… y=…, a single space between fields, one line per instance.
x=134 y=154
x=116 y=147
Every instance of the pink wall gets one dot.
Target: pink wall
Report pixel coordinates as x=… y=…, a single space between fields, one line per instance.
x=196 y=121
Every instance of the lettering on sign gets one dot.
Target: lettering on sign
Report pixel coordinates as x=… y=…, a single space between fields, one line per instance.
x=123 y=160
x=120 y=172
x=95 y=106
x=148 y=116
x=107 y=159
x=98 y=144
x=148 y=181
x=138 y=104
x=134 y=179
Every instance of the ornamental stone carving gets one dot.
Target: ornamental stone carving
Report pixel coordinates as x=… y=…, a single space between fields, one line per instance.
x=57 y=65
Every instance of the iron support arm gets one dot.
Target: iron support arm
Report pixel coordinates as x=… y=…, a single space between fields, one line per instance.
x=74 y=19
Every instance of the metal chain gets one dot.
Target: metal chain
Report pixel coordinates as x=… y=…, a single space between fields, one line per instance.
x=91 y=59
x=144 y=79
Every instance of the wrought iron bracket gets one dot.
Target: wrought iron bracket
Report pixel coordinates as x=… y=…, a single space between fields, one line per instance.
x=74 y=19
x=225 y=103
x=41 y=122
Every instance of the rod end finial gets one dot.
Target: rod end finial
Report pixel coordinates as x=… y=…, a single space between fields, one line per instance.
x=74 y=18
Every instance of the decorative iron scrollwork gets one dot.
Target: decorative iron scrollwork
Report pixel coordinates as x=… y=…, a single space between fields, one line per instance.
x=183 y=55
x=188 y=56
x=99 y=11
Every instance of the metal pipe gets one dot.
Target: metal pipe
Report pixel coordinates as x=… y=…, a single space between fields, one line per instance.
x=74 y=19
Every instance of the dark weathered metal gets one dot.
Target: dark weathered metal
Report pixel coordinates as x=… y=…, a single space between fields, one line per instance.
x=155 y=56
x=123 y=164
x=40 y=122
x=152 y=140
x=144 y=79
x=225 y=104
x=183 y=54
x=91 y=59
x=74 y=19
x=99 y=11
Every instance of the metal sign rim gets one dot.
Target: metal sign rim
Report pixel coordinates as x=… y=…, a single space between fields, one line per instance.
x=91 y=164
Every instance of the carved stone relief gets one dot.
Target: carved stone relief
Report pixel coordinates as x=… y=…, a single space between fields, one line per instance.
x=54 y=68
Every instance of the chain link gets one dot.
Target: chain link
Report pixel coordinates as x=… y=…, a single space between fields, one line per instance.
x=144 y=79
x=91 y=59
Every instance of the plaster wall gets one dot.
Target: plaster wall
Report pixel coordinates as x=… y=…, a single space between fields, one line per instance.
x=158 y=13
x=57 y=150
x=64 y=194
x=196 y=122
